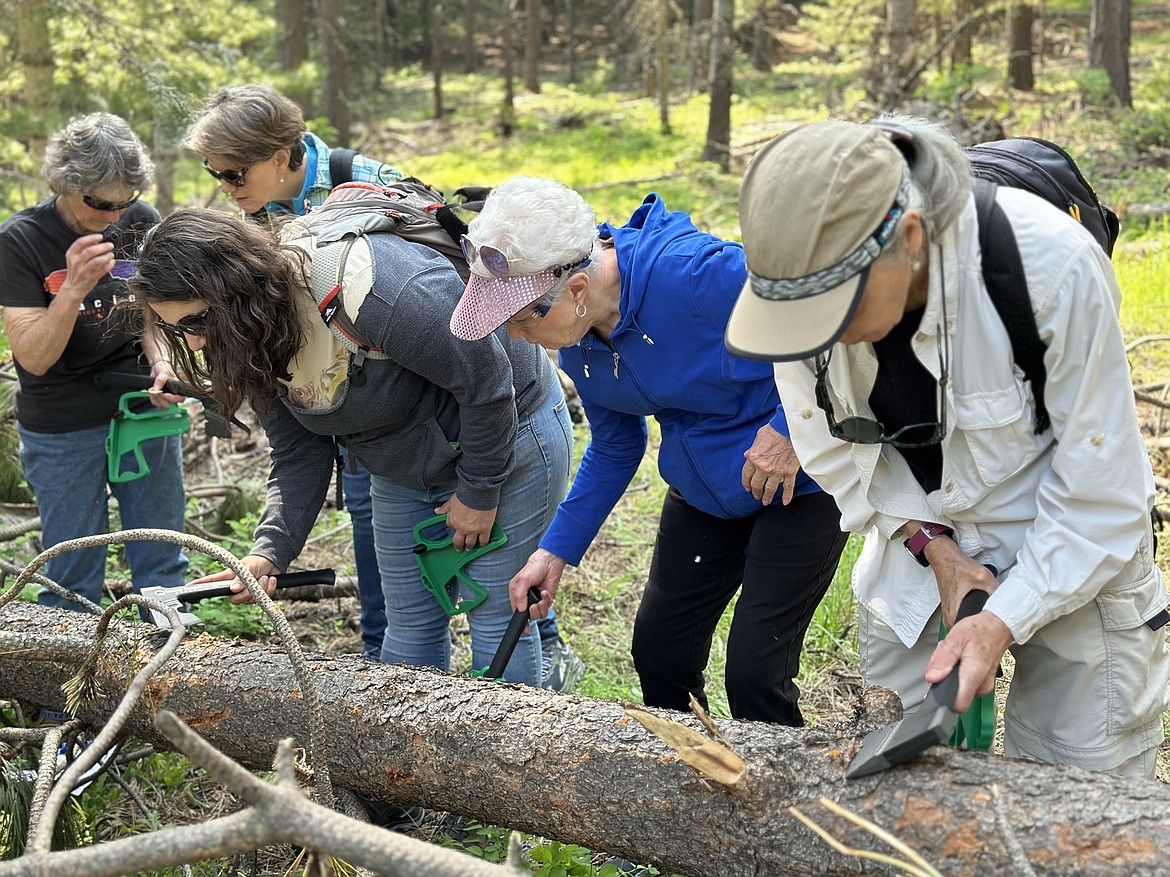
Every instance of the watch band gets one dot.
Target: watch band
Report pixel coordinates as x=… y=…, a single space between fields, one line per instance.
x=917 y=543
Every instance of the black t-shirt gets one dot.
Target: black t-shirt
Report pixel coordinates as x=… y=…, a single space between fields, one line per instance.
x=905 y=393
x=32 y=267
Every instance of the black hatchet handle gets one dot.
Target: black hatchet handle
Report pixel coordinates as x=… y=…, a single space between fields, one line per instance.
x=946 y=691
x=511 y=636
x=195 y=593
x=217 y=425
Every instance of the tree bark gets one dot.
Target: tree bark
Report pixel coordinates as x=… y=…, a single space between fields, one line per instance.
x=508 y=104
x=292 y=46
x=961 y=47
x=582 y=771
x=1020 y=74
x=902 y=25
x=1109 y=31
x=34 y=48
x=532 y=45
x=718 y=144
x=663 y=68
x=334 y=99
x=470 y=55
x=437 y=60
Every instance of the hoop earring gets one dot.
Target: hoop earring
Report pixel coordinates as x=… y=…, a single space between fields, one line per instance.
x=580 y=310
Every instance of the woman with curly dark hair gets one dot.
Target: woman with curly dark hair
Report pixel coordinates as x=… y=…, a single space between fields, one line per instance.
x=478 y=432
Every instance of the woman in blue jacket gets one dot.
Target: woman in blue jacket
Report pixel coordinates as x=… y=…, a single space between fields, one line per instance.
x=638 y=313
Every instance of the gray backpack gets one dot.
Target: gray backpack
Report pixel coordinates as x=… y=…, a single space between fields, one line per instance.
x=334 y=234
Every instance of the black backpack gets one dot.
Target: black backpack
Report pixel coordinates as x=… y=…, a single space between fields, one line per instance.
x=1044 y=169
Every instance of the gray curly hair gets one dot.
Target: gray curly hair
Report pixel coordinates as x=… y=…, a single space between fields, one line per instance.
x=93 y=152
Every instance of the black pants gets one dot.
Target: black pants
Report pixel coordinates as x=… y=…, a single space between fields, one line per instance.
x=785 y=558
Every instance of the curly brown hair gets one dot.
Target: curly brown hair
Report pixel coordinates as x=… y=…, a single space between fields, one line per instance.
x=249 y=282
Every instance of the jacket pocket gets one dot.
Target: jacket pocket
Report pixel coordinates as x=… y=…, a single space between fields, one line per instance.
x=1135 y=655
x=996 y=436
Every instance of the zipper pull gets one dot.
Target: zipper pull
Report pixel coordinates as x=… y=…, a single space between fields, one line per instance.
x=616 y=359
x=586 y=369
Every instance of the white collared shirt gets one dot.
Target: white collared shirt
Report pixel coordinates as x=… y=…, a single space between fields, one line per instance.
x=1062 y=515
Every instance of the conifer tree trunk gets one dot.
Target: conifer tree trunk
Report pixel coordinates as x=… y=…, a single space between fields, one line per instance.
x=532 y=45
x=1109 y=33
x=34 y=49
x=334 y=103
x=718 y=144
x=585 y=771
x=1020 y=73
x=437 y=59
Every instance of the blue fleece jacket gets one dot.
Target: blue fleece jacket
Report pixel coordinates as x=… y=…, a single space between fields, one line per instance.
x=666 y=358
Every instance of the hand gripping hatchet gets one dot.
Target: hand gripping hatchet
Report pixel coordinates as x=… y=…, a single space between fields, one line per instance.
x=176 y=596
x=930 y=724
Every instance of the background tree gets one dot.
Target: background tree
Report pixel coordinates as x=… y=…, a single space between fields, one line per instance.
x=36 y=63
x=437 y=60
x=334 y=100
x=663 y=67
x=532 y=45
x=717 y=147
x=1020 y=73
x=292 y=48
x=1109 y=27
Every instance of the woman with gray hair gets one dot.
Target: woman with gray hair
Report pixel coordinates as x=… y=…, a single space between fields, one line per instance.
x=65 y=263
x=906 y=405
x=637 y=312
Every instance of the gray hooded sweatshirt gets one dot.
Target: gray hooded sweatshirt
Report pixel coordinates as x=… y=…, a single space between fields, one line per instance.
x=439 y=414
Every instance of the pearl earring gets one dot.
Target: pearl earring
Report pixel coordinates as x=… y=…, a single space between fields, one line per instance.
x=915 y=265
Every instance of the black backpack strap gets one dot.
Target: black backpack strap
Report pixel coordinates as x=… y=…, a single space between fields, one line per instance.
x=1007 y=286
x=455 y=227
x=341 y=165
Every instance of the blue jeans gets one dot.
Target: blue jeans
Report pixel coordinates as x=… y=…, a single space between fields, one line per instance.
x=355 y=485
x=417 y=630
x=67 y=474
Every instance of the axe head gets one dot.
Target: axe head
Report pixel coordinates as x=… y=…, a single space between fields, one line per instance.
x=174 y=598
x=929 y=725
x=178 y=595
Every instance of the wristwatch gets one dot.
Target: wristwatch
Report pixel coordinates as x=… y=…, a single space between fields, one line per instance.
x=917 y=543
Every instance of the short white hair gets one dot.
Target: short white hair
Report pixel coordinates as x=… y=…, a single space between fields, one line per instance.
x=538 y=223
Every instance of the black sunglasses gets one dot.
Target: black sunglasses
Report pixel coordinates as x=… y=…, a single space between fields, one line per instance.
x=866 y=431
x=107 y=206
x=233 y=178
x=537 y=313
x=192 y=324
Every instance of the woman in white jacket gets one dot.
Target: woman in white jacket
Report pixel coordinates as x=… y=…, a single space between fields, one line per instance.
x=903 y=402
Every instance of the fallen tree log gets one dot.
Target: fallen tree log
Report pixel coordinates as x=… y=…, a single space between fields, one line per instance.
x=583 y=771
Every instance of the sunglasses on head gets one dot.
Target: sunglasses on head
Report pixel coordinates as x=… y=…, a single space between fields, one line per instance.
x=866 y=430
x=192 y=324
x=107 y=206
x=233 y=178
x=493 y=260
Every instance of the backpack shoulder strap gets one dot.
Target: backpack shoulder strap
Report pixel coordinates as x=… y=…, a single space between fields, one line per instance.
x=1007 y=286
x=341 y=165
x=329 y=284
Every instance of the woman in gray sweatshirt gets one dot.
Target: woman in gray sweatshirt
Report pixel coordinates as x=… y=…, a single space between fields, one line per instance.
x=478 y=432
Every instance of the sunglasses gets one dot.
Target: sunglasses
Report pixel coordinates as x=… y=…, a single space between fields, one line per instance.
x=494 y=260
x=866 y=431
x=123 y=269
x=192 y=324
x=537 y=313
x=233 y=178
x=107 y=206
